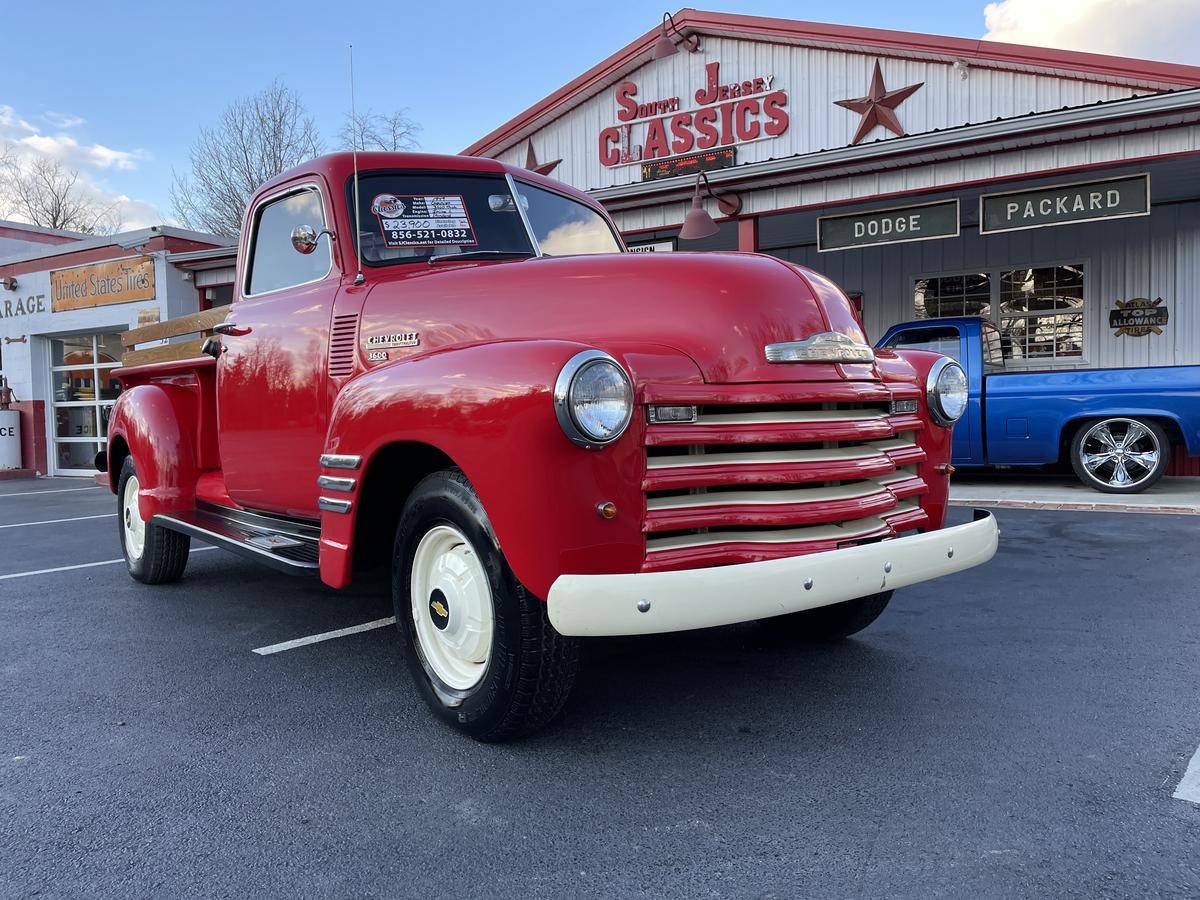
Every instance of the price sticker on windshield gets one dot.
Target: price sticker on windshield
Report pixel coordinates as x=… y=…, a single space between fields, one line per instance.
x=423 y=220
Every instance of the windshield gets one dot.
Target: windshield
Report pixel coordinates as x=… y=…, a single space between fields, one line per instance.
x=411 y=217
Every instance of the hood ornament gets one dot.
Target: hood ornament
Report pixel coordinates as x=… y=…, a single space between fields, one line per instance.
x=827 y=346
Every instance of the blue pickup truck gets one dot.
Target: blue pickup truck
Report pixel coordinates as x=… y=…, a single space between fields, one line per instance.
x=1116 y=426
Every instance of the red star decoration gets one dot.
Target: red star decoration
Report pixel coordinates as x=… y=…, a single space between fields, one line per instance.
x=533 y=165
x=878 y=107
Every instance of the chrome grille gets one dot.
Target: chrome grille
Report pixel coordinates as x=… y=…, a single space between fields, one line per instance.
x=756 y=477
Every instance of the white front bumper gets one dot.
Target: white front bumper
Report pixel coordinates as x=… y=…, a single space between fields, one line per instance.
x=601 y=605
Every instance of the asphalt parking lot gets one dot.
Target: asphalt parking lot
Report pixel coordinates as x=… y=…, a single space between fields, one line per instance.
x=1018 y=730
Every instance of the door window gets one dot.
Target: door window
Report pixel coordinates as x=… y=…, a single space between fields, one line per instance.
x=274 y=262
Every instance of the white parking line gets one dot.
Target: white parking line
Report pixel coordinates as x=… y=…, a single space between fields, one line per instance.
x=325 y=636
x=91 y=565
x=1189 y=784
x=56 y=521
x=54 y=491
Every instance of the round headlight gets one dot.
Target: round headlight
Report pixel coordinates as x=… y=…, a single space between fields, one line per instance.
x=946 y=391
x=593 y=399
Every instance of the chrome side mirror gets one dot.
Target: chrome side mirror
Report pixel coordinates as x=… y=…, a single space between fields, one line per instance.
x=305 y=238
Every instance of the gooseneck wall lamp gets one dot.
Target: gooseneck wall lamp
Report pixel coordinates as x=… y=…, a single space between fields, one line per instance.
x=664 y=46
x=698 y=223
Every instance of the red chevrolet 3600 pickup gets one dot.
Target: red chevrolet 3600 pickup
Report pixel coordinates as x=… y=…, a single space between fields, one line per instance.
x=452 y=364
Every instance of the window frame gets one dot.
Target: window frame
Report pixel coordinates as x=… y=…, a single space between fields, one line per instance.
x=994 y=272
x=252 y=238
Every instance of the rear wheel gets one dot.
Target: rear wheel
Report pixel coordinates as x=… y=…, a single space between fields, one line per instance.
x=1120 y=455
x=153 y=554
x=481 y=649
x=833 y=622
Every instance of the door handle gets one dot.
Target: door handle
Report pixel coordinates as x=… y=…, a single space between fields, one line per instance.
x=231 y=329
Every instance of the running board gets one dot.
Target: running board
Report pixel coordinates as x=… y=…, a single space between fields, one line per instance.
x=283 y=544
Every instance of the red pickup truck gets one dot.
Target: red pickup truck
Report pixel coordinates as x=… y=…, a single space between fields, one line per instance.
x=547 y=437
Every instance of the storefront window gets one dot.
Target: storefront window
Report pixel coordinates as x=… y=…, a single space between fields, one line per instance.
x=954 y=295
x=83 y=393
x=1041 y=312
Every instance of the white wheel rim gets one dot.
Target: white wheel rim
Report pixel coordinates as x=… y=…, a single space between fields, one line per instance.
x=131 y=520
x=451 y=608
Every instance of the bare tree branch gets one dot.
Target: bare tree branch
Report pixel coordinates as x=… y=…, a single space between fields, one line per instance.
x=376 y=131
x=46 y=193
x=254 y=140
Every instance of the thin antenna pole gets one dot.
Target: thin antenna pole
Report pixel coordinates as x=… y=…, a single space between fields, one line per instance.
x=358 y=279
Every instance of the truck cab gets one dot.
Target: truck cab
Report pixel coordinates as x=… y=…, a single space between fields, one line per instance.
x=450 y=366
x=1117 y=428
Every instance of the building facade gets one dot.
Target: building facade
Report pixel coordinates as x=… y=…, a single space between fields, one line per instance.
x=63 y=307
x=1055 y=192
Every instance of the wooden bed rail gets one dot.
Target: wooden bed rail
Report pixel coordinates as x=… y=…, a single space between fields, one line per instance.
x=200 y=323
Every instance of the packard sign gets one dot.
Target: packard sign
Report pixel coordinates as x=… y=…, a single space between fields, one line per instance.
x=119 y=281
x=725 y=113
x=922 y=222
x=1088 y=201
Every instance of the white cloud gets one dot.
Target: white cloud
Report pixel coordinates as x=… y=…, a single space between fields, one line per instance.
x=62 y=120
x=1166 y=30
x=27 y=142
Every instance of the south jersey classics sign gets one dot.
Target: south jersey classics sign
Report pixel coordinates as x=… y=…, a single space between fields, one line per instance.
x=1064 y=204
x=718 y=114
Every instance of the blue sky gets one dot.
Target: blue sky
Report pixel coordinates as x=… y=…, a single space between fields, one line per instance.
x=143 y=77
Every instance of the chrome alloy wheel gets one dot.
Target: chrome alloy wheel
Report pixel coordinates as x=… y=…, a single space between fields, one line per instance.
x=1120 y=452
x=132 y=522
x=451 y=608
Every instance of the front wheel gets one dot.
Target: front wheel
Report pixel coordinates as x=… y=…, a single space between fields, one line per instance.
x=153 y=554
x=1120 y=455
x=833 y=622
x=481 y=649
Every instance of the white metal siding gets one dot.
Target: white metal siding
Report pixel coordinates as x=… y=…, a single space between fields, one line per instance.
x=814 y=79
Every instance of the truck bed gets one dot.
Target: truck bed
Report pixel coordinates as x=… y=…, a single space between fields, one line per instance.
x=1026 y=413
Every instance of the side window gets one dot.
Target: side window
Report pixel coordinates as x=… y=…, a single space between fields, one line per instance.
x=565 y=227
x=939 y=340
x=274 y=262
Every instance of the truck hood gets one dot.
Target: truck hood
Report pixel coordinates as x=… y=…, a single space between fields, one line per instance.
x=720 y=309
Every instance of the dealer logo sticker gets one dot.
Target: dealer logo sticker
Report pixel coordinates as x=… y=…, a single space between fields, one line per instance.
x=396 y=339
x=387 y=206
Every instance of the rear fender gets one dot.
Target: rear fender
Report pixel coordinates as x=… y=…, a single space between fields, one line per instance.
x=489 y=408
x=150 y=420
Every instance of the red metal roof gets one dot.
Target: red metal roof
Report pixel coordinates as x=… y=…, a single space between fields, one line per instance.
x=1065 y=63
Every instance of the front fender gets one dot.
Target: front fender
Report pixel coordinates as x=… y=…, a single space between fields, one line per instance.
x=150 y=420
x=489 y=408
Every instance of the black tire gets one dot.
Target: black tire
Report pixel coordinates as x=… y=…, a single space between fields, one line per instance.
x=164 y=553
x=530 y=669
x=831 y=623
x=1102 y=477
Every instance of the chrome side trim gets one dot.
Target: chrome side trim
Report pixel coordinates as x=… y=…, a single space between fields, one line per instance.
x=338 y=461
x=329 y=504
x=333 y=483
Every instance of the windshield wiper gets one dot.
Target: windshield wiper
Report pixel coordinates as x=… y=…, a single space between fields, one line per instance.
x=479 y=254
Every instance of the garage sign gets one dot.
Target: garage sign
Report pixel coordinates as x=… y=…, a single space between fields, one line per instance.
x=1088 y=201
x=923 y=222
